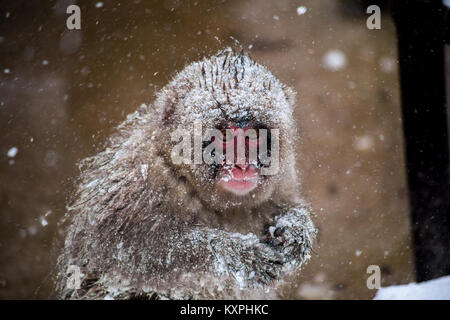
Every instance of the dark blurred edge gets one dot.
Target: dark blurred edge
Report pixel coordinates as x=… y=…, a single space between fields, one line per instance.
x=422 y=29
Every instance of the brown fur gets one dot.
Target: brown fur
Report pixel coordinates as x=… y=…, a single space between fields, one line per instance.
x=143 y=226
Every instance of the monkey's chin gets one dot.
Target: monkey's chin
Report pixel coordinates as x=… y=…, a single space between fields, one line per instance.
x=237 y=181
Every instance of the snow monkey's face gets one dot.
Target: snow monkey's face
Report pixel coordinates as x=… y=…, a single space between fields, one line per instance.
x=244 y=150
x=235 y=119
x=231 y=162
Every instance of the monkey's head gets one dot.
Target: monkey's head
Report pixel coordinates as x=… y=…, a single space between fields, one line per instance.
x=234 y=112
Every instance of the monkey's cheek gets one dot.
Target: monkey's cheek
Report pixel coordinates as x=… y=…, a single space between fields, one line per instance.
x=238 y=187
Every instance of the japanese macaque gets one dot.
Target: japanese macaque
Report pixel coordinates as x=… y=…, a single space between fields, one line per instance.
x=145 y=225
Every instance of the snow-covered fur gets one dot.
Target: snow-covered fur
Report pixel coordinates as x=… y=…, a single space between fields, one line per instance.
x=142 y=227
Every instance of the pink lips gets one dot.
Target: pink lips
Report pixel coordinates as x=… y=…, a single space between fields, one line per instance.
x=238 y=180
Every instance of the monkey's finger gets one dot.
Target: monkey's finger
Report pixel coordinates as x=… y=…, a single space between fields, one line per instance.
x=267 y=253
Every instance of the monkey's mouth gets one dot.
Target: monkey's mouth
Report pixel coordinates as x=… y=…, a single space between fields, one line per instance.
x=238 y=180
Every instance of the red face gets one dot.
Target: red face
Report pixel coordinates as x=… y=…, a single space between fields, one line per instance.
x=238 y=176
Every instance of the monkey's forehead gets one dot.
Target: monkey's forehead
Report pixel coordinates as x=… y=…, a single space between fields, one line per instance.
x=230 y=86
x=233 y=105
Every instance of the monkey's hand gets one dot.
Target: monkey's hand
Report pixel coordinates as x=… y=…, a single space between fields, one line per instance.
x=255 y=261
x=292 y=236
x=245 y=258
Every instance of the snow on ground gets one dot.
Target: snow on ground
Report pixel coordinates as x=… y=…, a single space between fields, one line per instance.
x=436 y=289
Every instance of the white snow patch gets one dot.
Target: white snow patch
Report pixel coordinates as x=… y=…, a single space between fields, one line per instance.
x=301 y=10
x=271 y=231
x=12 y=152
x=144 y=168
x=334 y=60
x=43 y=221
x=436 y=289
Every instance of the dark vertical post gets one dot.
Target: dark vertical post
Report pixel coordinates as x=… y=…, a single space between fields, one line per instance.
x=421 y=29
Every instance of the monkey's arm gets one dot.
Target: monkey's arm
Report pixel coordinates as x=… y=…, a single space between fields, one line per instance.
x=247 y=260
x=182 y=261
x=244 y=259
x=177 y=251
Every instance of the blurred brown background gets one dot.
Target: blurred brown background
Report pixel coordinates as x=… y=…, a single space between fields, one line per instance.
x=62 y=93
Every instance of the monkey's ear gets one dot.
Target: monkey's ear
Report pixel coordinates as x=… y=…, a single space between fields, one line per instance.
x=290 y=96
x=170 y=101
